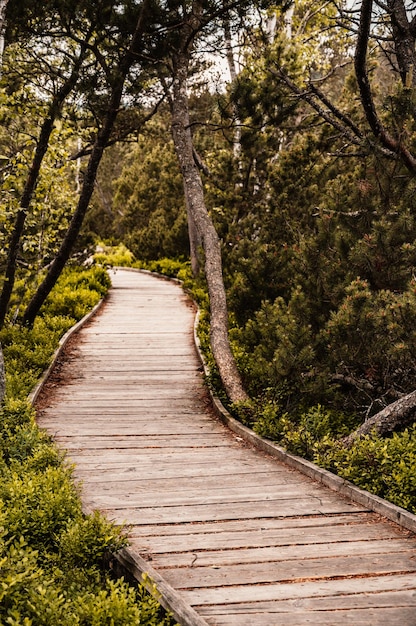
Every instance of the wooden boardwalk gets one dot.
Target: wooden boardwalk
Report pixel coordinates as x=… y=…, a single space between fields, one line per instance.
x=231 y=535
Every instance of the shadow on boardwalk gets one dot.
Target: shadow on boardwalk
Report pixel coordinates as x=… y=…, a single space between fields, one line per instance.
x=231 y=535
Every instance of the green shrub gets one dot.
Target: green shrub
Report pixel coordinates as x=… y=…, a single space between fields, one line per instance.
x=277 y=344
x=28 y=595
x=113 y=256
x=372 y=337
x=38 y=505
x=86 y=541
x=168 y=267
x=386 y=467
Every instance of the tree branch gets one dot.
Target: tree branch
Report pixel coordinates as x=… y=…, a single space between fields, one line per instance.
x=394 y=416
x=360 y=64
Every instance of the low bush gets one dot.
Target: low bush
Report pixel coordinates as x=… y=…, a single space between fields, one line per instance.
x=386 y=467
x=113 y=256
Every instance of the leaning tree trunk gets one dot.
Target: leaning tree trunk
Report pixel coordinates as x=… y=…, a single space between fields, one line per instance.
x=211 y=245
x=100 y=144
x=31 y=182
x=195 y=242
x=2 y=378
x=394 y=416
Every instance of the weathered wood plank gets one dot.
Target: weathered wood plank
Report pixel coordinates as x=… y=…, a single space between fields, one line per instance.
x=177 y=455
x=319 y=568
x=378 y=600
x=230 y=511
x=141 y=496
x=384 y=616
x=192 y=485
x=138 y=441
x=300 y=526
x=150 y=540
x=276 y=554
x=299 y=590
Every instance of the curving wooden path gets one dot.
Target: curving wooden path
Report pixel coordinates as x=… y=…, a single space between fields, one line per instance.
x=231 y=535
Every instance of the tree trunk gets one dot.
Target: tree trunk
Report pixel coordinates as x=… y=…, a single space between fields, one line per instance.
x=396 y=415
x=195 y=242
x=3 y=6
x=232 y=68
x=31 y=182
x=196 y=205
x=229 y=49
x=100 y=144
x=2 y=378
x=404 y=35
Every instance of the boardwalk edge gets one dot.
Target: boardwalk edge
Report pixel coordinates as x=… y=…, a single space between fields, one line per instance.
x=344 y=487
x=131 y=563
x=33 y=396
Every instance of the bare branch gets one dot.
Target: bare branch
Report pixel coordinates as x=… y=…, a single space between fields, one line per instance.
x=360 y=64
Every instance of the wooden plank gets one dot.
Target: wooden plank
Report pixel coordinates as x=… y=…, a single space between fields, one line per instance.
x=138 y=441
x=128 y=497
x=150 y=540
x=276 y=554
x=283 y=608
x=228 y=511
x=95 y=469
x=82 y=430
x=385 y=616
x=150 y=456
x=193 y=484
x=318 y=568
x=131 y=412
x=300 y=526
x=299 y=590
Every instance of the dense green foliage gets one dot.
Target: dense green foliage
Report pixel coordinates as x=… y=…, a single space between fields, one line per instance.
x=53 y=558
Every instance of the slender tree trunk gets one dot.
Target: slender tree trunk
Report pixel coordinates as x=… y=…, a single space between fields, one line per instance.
x=196 y=202
x=229 y=49
x=232 y=68
x=30 y=186
x=100 y=144
x=195 y=242
x=404 y=35
x=3 y=6
x=2 y=378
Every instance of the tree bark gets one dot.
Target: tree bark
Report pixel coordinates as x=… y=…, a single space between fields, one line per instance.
x=100 y=144
x=31 y=182
x=2 y=378
x=232 y=68
x=396 y=415
x=3 y=6
x=196 y=205
x=404 y=35
x=195 y=242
